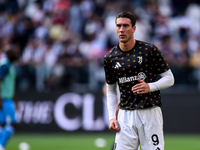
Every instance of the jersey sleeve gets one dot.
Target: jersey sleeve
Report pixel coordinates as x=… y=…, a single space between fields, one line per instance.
x=109 y=74
x=158 y=61
x=4 y=70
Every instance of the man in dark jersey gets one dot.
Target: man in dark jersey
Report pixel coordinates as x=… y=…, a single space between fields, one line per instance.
x=135 y=65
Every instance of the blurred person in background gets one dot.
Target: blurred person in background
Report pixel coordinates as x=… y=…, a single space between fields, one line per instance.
x=75 y=66
x=2 y=54
x=8 y=119
x=52 y=70
x=134 y=66
x=195 y=63
x=32 y=59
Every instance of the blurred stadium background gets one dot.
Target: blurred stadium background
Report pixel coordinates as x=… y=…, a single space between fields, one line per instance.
x=60 y=73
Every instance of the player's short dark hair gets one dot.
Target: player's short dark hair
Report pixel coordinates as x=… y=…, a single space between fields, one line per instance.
x=126 y=14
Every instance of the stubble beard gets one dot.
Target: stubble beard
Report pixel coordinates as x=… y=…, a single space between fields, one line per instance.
x=124 y=41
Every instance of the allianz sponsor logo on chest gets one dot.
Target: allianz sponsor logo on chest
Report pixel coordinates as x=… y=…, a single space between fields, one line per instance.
x=140 y=75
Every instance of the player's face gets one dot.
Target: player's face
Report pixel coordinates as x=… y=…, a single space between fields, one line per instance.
x=124 y=29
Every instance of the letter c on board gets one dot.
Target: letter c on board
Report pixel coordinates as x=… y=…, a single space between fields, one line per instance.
x=59 y=111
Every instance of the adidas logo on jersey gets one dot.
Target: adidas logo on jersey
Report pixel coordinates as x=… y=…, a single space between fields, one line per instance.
x=117 y=65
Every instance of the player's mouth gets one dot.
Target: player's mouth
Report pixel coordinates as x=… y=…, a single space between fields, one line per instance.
x=122 y=36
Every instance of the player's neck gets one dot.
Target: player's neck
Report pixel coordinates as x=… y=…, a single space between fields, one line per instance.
x=128 y=45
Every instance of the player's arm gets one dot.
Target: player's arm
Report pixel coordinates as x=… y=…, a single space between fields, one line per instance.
x=166 y=80
x=104 y=90
x=112 y=103
x=117 y=110
x=118 y=98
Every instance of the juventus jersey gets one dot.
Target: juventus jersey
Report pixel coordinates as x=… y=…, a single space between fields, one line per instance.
x=143 y=61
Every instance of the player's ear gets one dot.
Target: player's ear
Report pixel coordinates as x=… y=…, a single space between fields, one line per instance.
x=134 y=28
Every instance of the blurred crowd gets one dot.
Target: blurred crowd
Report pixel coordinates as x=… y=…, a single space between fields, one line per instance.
x=62 y=42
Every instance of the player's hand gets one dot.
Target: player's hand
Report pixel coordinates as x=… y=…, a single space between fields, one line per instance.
x=141 y=88
x=114 y=126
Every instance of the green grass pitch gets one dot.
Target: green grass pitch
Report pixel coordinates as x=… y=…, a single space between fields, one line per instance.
x=86 y=141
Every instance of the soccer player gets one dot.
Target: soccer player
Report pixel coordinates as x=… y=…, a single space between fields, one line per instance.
x=135 y=66
x=7 y=92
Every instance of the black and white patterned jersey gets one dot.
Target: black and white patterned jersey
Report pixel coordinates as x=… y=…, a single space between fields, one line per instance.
x=143 y=61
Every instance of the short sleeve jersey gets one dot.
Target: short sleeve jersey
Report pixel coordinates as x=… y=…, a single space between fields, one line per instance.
x=143 y=61
x=7 y=73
